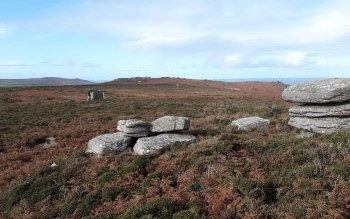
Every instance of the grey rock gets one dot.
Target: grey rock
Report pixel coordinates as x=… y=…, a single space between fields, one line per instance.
x=322 y=91
x=134 y=127
x=50 y=142
x=94 y=95
x=150 y=145
x=170 y=123
x=109 y=143
x=324 y=110
x=250 y=123
x=323 y=125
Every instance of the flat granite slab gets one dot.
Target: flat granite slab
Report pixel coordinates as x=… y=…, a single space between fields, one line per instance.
x=322 y=91
x=325 y=125
x=324 y=110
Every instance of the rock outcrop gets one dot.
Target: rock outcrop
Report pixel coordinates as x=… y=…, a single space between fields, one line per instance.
x=170 y=124
x=134 y=128
x=324 y=110
x=94 y=95
x=150 y=145
x=325 y=105
x=323 y=91
x=109 y=143
x=324 y=125
x=250 y=123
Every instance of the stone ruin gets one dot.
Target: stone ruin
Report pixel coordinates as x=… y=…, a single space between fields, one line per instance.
x=145 y=138
x=324 y=106
x=96 y=95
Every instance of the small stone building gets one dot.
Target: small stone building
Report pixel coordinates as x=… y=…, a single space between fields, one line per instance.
x=96 y=95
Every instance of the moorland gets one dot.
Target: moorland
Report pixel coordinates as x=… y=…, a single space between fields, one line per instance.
x=264 y=173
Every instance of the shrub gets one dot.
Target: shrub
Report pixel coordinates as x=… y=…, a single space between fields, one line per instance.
x=162 y=208
x=35 y=190
x=138 y=164
x=103 y=170
x=88 y=203
x=299 y=212
x=15 y=196
x=106 y=177
x=245 y=185
x=341 y=169
x=35 y=141
x=187 y=214
x=103 y=216
x=45 y=184
x=48 y=214
x=69 y=208
x=194 y=186
x=110 y=193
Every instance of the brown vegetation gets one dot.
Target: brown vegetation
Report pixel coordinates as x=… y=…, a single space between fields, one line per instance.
x=227 y=174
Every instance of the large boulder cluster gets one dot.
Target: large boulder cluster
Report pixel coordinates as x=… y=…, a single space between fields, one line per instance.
x=324 y=105
x=144 y=137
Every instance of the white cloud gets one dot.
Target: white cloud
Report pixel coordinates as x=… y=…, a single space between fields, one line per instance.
x=3 y=30
x=160 y=40
x=9 y=63
x=329 y=24
x=68 y=63
x=233 y=60
x=296 y=58
x=276 y=34
x=166 y=23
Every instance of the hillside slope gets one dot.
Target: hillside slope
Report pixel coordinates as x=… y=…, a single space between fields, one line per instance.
x=47 y=81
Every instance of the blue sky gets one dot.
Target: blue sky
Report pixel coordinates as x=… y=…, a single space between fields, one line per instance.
x=107 y=39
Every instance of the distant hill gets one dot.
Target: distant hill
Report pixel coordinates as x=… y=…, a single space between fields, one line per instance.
x=46 y=81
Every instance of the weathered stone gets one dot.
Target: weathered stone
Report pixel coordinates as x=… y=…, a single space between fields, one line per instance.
x=323 y=91
x=250 y=123
x=324 y=110
x=323 y=125
x=134 y=127
x=170 y=123
x=50 y=142
x=109 y=143
x=96 y=95
x=150 y=145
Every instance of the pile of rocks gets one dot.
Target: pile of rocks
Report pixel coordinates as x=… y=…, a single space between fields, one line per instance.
x=145 y=138
x=325 y=105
